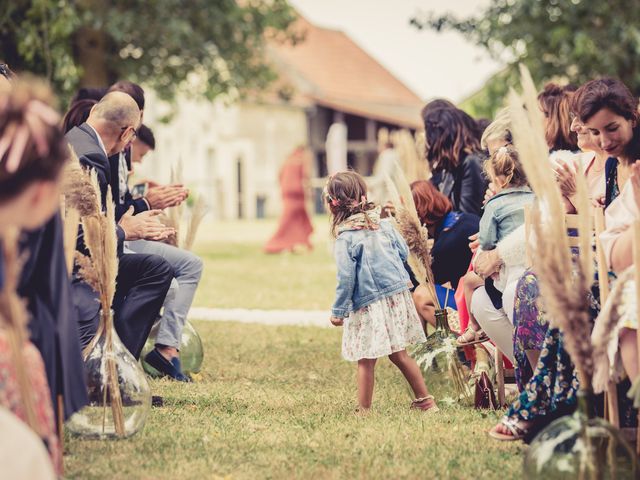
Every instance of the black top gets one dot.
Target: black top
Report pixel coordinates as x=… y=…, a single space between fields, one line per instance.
x=450 y=252
x=465 y=186
x=44 y=283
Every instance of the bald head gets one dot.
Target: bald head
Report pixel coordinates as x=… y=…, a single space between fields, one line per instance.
x=117 y=108
x=115 y=118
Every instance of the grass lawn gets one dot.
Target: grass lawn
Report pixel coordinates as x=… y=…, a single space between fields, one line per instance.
x=278 y=402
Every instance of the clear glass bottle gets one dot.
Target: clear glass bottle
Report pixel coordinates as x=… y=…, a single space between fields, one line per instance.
x=438 y=358
x=580 y=446
x=191 y=350
x=119 y=393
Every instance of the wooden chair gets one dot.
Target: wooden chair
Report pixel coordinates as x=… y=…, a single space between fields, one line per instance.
x=636 y=264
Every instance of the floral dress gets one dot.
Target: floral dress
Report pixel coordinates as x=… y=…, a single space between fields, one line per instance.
x=553 y=386
x=384 y=327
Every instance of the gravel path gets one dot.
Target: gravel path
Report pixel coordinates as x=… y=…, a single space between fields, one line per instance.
x=315 y=318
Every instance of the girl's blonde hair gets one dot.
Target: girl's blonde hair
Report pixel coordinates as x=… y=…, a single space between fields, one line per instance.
x=345 y=194
x=505 y=162
x=499 y=129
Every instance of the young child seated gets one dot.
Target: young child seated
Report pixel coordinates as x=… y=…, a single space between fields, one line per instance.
x=503 y=213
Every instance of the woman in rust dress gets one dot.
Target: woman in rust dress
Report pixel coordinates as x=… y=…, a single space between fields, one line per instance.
x=295 y=227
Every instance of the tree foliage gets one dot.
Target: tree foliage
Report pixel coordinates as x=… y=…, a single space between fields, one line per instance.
x=575 y=40
x=161 y=43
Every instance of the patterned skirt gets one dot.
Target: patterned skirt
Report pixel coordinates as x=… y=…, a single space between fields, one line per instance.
x=386 y=326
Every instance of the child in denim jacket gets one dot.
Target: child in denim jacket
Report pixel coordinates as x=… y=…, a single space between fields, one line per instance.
x=504 y=212
x=373 y=300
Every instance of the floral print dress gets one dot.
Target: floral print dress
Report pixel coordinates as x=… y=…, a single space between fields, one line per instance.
x=384 y=327
x=553 y=385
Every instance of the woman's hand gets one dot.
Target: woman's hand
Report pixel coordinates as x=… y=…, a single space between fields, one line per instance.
x=474 y=242
x=566 y=178
x=487 y=263
x=491 y=191
x=336 y=321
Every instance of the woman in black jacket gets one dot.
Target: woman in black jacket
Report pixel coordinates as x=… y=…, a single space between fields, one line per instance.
x=455 y=157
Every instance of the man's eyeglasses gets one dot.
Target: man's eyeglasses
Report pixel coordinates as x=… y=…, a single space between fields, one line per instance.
x=135 y=132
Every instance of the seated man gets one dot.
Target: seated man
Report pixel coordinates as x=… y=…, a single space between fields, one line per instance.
x=143 y=280
x=187 y=271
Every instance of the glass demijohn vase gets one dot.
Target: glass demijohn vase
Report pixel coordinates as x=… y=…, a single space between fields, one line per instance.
x=119 y=393
x=580 y=446
x=191 y=350
x=438 y=359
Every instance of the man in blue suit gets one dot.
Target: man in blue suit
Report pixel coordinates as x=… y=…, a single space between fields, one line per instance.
x=143 y=280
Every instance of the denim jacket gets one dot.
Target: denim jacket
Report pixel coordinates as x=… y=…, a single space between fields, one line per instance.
x=503 y=213
x=370 y=267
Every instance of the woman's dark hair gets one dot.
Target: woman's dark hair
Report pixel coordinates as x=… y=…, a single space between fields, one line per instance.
x=145 y=135
x=451 y=134
x=555 y=103
x=77 y=114
x=345 y=195
x=26 y=113
x=608 y=93
x=611 y=94
x=88 y=93
x=431 y=205
x=134 y=90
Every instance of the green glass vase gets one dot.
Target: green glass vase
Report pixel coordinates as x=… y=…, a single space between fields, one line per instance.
x=191 y=350
x=580 y=446
x=439 y=361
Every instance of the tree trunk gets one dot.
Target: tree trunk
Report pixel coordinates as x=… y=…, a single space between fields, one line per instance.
x=92 y=53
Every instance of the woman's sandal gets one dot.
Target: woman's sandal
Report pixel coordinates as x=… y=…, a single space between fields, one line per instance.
x=426 y=404
x=516 y=431
x=471 y=337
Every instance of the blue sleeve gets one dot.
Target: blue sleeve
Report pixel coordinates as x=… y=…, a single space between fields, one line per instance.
x=346 y=277
x=398 y=242
x=488 y=230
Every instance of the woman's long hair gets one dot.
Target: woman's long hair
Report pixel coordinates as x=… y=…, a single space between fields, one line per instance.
x=449 y=136
x=431 y=205
x=346 y=195
x=555 y=103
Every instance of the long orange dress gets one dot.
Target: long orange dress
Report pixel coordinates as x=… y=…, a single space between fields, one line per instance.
x=295 y=226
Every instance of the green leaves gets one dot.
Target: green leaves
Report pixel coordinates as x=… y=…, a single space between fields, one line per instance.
x=160 y=43
x=571 y=39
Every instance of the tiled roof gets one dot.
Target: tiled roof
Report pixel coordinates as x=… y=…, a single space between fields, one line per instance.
x=330 y=69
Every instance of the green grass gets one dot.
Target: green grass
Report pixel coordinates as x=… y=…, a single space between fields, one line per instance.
x=278 y=402
x=238 y=274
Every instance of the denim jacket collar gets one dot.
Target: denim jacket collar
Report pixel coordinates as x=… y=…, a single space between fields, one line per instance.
x=507 y=191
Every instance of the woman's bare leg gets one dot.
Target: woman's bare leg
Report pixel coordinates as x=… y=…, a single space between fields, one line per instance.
x=425 y=306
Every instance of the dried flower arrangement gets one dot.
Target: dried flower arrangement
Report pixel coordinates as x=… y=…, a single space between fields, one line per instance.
x=99 y=269
x=565 y=295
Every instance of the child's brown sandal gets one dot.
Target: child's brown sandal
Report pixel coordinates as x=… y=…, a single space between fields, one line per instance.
x=426 y=404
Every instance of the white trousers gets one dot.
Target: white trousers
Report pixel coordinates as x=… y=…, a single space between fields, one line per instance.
x=498 y=324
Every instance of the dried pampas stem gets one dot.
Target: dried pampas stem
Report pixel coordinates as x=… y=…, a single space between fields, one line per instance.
x=566 y=297
x=70 y=235
x=197 y=214
x=13 y=319
x=100 y=271
x=416 y=236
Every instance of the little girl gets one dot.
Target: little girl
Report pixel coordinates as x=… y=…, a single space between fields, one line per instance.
x=372 y=296
x=503 y=213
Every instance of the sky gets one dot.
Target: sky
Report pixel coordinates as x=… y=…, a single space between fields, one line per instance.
x=431 y=64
